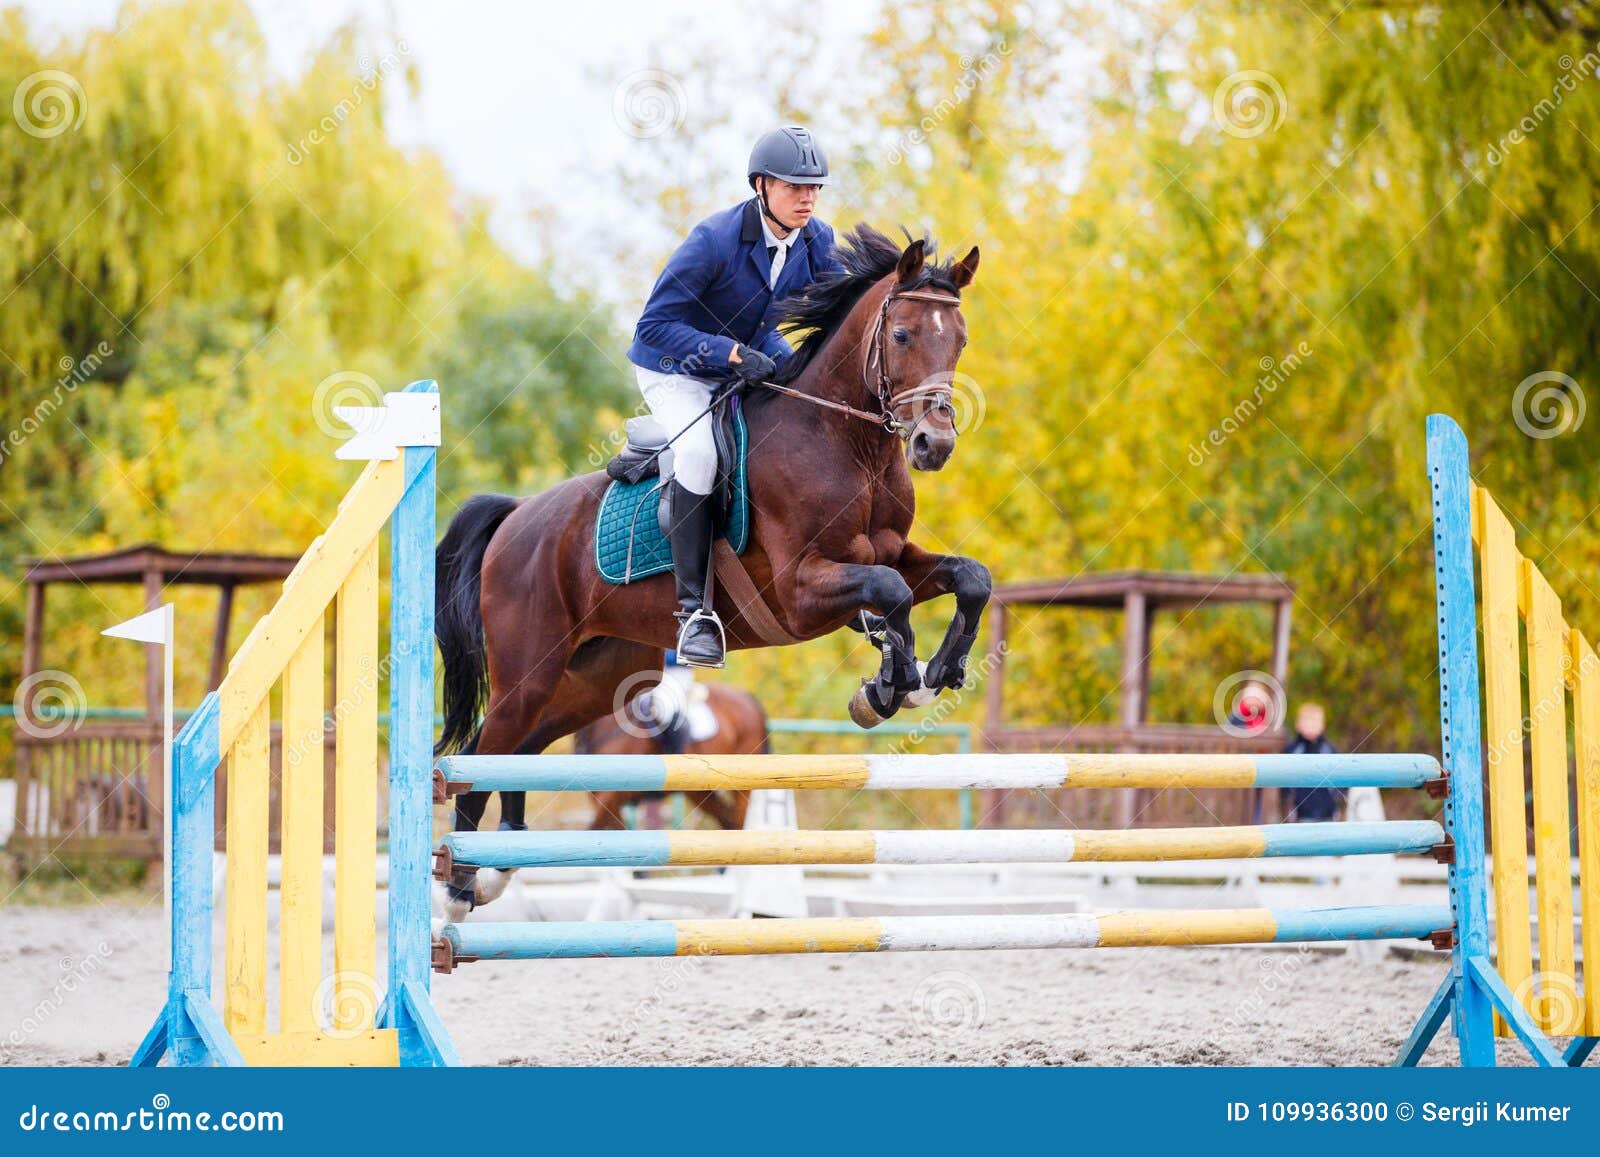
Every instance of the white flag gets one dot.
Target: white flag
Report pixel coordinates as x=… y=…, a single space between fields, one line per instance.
x=151 y=627
x=380 y=431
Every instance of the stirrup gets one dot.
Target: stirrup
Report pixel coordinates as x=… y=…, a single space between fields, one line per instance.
x=688 y=620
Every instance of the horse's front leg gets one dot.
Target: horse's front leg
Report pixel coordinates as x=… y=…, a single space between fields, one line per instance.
x=929 y=575
x=827 y=591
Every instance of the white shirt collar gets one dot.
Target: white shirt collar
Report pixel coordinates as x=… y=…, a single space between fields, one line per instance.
x=773 y=238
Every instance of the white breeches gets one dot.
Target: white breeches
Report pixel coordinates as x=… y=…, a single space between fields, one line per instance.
x=677 y=400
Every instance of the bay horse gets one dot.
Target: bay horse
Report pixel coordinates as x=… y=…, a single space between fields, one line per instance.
x=741 y=730
x=535 y=642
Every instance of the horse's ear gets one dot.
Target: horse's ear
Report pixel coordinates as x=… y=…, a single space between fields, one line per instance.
x=911 y=261
x=963 y=271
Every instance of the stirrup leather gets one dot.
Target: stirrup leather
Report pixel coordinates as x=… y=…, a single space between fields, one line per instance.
x=688 y=620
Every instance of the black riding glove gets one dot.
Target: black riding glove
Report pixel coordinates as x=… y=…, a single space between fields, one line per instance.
x=753 y=365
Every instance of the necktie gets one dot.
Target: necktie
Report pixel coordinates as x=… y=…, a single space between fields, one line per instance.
x=779 y=253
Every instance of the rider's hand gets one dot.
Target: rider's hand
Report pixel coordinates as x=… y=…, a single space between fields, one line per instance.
x=751 y=365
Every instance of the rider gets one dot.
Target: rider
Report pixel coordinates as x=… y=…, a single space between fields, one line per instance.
x=707 y=324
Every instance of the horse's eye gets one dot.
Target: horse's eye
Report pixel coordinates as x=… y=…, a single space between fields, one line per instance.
x=901 y=337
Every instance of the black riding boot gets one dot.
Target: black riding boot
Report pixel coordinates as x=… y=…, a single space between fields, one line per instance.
x=700 y=641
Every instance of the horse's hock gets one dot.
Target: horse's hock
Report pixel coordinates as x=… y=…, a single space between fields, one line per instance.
x=1482 y=996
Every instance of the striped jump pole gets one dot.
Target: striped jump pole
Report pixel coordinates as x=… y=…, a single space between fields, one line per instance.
x=634 y=938
x=913 y=772
x=665 y=849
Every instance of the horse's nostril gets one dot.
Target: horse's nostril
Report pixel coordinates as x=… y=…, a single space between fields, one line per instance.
x=920 y=444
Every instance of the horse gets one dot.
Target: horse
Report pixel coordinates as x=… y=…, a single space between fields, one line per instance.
x=741 y=730
x=536 y=644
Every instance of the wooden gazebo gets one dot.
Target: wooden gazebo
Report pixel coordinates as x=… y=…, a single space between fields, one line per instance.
x=94 y=787
x=1137 y=595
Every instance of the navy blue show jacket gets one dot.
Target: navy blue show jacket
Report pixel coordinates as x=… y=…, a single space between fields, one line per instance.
x=713 y=294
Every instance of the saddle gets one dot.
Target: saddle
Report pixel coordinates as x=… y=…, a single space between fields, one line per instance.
x=631 y=531
x=646 y=454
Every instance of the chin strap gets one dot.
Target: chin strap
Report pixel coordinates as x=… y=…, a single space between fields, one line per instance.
x=766 y=210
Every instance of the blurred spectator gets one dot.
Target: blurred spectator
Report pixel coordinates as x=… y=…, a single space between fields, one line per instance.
x=1252 y=711
x=1251 y=714
x=1312 y=804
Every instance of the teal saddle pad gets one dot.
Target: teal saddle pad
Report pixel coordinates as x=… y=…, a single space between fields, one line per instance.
x=628 y=543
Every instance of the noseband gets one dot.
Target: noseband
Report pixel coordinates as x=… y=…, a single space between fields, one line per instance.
x=889 y=401
x=875 y=375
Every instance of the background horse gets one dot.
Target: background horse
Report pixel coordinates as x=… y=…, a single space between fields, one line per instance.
x=741 y=730
x=538 y=644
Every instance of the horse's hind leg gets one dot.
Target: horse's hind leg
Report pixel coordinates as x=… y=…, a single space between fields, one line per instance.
x=510 y=716
x=727 y=809
x=584 y=693
x=608 y=807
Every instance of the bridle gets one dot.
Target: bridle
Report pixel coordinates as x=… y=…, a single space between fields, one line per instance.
x=875 y=375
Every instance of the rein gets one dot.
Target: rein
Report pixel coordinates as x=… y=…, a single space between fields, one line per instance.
x=864 y=415
x=873 y=367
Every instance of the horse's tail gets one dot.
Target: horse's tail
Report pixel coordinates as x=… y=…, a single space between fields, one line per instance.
x=458 y=619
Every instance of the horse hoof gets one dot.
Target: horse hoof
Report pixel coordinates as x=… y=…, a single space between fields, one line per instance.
x=492 y=884
x=862 y=713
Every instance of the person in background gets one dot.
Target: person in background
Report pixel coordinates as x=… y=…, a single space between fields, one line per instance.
x=1252 y=711
x=1251 y=714
x=1312 y=804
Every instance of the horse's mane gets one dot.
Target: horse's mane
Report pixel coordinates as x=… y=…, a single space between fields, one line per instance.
x=818 y=310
